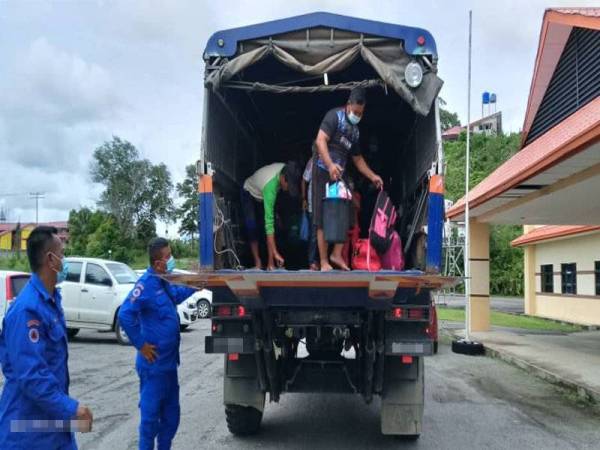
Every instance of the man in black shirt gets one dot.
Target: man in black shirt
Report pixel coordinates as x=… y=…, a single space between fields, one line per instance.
x=338 y=138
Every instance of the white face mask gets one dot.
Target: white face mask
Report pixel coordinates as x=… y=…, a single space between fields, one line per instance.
x=353 y=118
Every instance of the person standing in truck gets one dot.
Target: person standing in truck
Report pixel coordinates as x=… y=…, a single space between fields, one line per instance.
x=338 y=138
x=263 y=187
x=149 y=317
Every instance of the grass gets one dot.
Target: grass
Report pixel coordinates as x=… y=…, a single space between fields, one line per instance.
x=510 y=320
x=14 y=263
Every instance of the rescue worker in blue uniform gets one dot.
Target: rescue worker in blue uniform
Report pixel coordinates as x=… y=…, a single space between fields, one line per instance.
x=149 y=317
x=36 y=411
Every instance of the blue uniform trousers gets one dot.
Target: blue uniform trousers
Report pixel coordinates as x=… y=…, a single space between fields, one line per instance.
x=159 y=408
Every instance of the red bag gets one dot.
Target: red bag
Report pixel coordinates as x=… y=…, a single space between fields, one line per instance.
x=364 y=256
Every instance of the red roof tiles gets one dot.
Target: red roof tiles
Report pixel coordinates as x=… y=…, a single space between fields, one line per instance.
x=552 y=232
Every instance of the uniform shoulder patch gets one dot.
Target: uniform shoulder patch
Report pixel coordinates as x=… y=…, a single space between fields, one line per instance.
x=34 y=335
x=33 y=323
x=137 y=291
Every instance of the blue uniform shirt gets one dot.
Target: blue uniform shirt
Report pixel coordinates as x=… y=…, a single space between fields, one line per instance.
x=149 y=314
x=33 y=354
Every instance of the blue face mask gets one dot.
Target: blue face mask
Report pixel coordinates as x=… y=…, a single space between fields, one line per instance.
x=170 y=264
x=353 y=118
x=61 y=275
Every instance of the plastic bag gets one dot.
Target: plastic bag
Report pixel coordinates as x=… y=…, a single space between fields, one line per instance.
x=305 y=228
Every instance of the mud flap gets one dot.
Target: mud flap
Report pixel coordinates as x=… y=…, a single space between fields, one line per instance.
x=403 y=397
x=240 y=383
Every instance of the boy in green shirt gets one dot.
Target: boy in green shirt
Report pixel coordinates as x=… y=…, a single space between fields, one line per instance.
x=263 y=187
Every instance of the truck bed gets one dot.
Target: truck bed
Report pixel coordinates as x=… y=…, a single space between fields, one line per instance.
x=257 y=288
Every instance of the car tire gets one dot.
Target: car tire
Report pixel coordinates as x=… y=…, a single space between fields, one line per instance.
x=122 y=337
x=183 y=327
x=243 y=420
x=470 y=348
x=72 y=332
x=203 y=309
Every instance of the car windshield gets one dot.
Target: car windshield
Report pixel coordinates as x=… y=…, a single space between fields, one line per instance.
x=124 y=274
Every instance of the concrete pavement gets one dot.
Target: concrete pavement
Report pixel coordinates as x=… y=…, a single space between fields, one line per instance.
x=570 y=361
x=471 y=403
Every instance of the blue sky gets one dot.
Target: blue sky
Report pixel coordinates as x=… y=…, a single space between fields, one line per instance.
x=74 y=73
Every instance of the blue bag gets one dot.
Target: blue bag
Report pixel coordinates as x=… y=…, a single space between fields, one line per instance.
x=305 y=228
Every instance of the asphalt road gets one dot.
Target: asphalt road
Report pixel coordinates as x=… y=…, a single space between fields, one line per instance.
x=471 y=403
x=504 y=304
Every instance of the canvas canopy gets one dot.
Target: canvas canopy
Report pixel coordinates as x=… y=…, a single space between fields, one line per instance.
x=319 y=51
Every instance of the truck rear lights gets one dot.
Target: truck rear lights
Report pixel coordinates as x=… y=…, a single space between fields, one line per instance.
x=415 y=314
x=407 y=359
x=233 y=357
x=241 y=311
x=421 y=40
x=217 y=327
x=397 y=313
x=223 y=310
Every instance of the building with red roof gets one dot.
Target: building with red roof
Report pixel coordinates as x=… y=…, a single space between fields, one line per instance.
x=553 y=180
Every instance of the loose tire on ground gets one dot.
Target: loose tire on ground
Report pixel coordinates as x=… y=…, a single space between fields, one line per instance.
x=470 y=348
x=122 y=337
x=243 y=420
x=72 y=332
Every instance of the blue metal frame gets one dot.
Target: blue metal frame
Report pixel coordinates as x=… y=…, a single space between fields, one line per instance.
x=230 y=38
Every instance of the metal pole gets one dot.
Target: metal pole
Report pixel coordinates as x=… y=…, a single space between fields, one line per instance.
x=467 y=212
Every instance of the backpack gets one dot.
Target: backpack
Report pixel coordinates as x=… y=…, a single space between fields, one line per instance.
x=393 y=259
x=382 y=223
x=364 y=257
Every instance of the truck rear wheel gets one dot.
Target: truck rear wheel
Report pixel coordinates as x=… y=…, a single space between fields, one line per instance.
x=243 y=420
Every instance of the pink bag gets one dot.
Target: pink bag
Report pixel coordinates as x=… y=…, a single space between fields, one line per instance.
x=393 y=259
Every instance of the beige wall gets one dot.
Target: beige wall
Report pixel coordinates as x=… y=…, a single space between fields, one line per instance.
x=582 y=250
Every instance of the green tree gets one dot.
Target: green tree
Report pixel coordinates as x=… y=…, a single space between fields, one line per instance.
x=108 y=242
x=135 y=190
x=82 y=224
x=187 y=212
x=448 y=119
x=487 y=154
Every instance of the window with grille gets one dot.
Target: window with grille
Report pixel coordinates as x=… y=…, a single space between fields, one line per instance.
x=568 y=274
x=547 y=278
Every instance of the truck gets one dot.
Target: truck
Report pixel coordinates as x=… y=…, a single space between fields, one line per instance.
x=267 y=87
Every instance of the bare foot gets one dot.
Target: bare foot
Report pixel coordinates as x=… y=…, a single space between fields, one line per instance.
x=326 y=267
x=338 y=263
x=314 y=267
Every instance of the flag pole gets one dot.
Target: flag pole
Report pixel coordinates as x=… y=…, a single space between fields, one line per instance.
x=467 y=255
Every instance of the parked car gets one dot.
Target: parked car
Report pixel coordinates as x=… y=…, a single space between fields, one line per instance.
x=11 y=284
x=92 y=294
x=197 y=306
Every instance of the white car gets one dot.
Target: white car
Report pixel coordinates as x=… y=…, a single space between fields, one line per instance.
x=11 y=284
x=92 y=294
x=197 y=306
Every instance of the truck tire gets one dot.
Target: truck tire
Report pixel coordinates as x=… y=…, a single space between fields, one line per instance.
x=122 y=337
x=470 y=348
x=72 y=332
x=243 y=420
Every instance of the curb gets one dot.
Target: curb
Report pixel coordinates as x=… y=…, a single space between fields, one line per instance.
x=582 y=391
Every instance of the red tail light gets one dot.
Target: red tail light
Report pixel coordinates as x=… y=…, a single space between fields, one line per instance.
x=224 y=310
x=407 y=359
x=415 y=314
x=233 y=356
x=241 y=311
x=398 y=313
x=421 y=40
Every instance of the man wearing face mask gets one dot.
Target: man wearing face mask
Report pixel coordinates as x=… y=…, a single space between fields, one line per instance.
x=337 y=139
x=149 y=317
x=36 y=410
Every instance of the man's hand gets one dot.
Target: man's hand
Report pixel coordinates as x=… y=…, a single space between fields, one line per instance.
x=149 y=352
x=377 y=181
x=84 y=414
x=335 y=172
x=277 y=261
